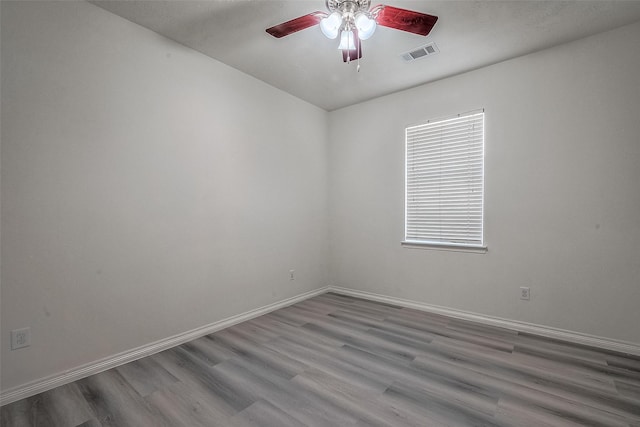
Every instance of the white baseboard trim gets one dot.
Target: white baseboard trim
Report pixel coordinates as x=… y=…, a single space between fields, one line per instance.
x=41 y=385
x=531 y=328
x=38 y=386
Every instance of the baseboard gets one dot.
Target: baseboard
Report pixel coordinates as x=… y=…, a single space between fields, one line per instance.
x=38 y=386
x=56 y=380
x=531 y=328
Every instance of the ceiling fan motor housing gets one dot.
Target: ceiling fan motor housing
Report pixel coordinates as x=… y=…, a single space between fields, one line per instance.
x=348 y=6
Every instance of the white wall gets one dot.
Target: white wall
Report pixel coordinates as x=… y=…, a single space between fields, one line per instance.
x=146 y=189
x=562 y=205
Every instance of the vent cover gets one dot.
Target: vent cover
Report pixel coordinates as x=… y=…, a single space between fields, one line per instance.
x=421 y=52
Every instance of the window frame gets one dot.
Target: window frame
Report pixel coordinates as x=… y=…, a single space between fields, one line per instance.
x=445 y=245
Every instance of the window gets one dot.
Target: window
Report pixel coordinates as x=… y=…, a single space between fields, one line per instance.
x=444 y=182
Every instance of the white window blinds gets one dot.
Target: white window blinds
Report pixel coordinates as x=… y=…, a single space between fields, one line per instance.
x=444 y=181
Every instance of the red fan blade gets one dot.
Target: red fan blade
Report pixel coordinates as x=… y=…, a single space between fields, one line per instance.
x=352 y=55
x=405 y=20
x=296 y=25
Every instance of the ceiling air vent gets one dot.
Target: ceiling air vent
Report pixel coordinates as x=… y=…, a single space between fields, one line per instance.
x=421 y=52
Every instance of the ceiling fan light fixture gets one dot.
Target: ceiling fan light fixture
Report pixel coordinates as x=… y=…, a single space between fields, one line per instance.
x=330 y=25
x=356 y=20
x=346 y=40
x=365 y=25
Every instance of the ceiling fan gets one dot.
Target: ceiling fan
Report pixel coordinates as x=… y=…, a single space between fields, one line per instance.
x=354 y=21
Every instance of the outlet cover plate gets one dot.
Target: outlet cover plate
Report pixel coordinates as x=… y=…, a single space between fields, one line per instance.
x=525 y=293
x=20 y=338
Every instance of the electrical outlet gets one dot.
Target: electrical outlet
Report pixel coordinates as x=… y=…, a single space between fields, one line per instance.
x=525 y=293
x=20 y=338
x=291 y=275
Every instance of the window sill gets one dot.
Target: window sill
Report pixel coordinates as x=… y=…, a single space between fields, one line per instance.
x=444 y=247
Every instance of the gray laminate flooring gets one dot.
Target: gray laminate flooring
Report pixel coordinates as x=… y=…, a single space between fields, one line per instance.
x=339 y=361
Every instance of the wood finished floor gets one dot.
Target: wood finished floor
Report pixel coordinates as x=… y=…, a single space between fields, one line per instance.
x=339 y=361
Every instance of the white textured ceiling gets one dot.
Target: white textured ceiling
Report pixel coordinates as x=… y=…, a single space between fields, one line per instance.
x=469 y=34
